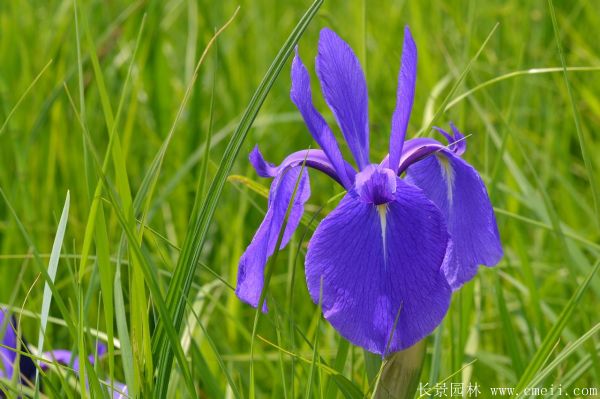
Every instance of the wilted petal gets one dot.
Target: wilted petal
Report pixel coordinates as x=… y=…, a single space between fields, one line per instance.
x=321 y=132
x=404 y=98
x=345 y=90
x=372 y=265
x=457 y=189
x=253 y=261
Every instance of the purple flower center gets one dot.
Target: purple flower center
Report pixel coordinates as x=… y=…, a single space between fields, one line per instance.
x=375 y=185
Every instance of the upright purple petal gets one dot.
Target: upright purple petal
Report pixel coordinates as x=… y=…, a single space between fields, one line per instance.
x=253 y=261
x=456 y=141
x=345 y=90
x=457 y=189
x=302 y=98
x=376 y=267
x=404 y=98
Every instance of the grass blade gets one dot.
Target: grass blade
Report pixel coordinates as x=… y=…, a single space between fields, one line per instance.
x=52 y=268
x=202 y=214
x=539 y=378
x=14 y=108
x=458 y=82
x=584 y=151
x=550 y=340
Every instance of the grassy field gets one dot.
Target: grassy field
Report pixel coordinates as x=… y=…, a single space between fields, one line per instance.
x=131 y=122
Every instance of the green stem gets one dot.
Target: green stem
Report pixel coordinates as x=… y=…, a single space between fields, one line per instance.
x=400 y=373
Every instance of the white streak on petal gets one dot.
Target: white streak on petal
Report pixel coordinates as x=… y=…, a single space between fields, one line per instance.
x=448 y=174
x=382 y=209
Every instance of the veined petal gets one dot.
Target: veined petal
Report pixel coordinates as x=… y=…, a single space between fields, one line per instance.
x=404 y=98
x=345 y=91
x=252 y=263
x=457 y=189
x=301 y=96
x=374 y=268
x=315 y=159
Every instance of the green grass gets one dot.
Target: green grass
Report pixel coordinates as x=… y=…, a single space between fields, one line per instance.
x=142 y=118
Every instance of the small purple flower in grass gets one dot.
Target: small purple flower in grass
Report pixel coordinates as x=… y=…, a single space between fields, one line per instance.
x=385 y=261
x=8 y=357
x=68 y=358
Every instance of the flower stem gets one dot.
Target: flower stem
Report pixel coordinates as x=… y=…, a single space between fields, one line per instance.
x=400 y=373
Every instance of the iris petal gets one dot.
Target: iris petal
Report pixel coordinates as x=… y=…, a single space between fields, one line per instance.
x=404 y=98
x=456 y=142
x=457 y=189
x=253 y=261
x=8 y=354
x=120 y=391
x=315 y=159
x=68 y=358
x=363 y=288
x=9 y=340
x=345 y=91
x=321 y=132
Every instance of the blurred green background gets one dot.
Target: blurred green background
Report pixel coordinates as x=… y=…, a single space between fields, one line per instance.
x=524 y=141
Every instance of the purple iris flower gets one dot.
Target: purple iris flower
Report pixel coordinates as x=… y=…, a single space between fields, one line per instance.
x=385 y=261
x=8 y=357
x=68 y=358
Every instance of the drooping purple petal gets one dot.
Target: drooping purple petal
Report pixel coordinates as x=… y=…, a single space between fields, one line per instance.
x=315 y=159
x=457 y=189
x=376 y=265
x=345 y=91
x=261 y=166
x=404 y=98
x=301 y=96
x=253 y=261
